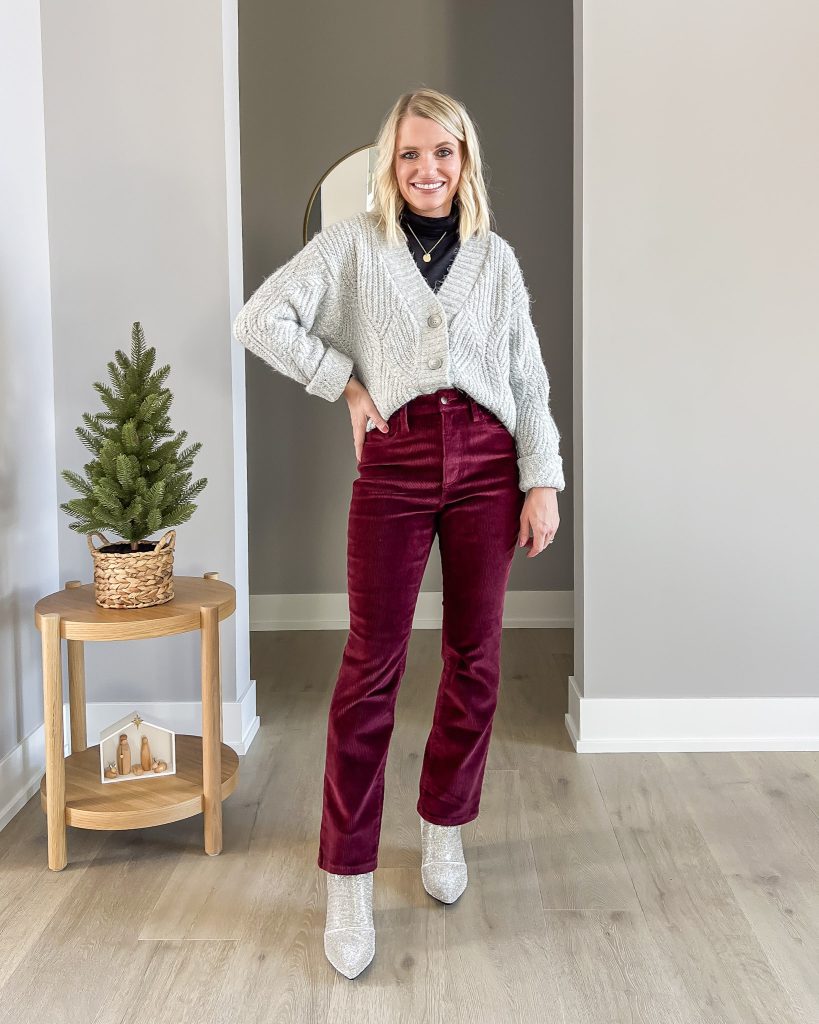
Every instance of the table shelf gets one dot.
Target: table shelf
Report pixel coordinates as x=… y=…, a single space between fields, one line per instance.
x=139 y=803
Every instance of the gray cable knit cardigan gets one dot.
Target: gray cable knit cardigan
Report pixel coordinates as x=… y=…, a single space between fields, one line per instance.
x=350 y=302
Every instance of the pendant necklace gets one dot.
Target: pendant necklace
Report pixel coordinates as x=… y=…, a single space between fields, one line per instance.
x=427 y=258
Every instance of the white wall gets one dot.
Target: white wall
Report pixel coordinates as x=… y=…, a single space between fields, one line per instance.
x=28 y=493
x=700 y=262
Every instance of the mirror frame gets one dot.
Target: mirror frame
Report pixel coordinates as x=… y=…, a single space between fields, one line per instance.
x=314 y=193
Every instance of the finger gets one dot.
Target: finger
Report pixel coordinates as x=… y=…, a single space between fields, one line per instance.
x=379 y=420
x=546 y=540
x=539 y=543
x=523 y=532
x=358 y=443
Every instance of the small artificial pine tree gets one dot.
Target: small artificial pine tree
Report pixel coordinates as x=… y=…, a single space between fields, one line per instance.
x=138 y=482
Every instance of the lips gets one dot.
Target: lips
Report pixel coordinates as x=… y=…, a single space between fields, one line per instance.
x=427 y=186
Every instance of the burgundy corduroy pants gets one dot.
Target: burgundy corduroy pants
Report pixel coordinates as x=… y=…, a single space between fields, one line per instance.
x=448 y=466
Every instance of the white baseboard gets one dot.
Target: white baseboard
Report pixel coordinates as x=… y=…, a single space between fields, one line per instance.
x=534 y=609
x=22 y=768
x=617 y=725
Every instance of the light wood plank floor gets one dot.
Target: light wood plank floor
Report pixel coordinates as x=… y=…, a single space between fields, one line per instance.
x=604 y=888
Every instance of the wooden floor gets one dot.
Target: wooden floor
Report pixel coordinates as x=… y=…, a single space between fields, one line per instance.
x=603 y=888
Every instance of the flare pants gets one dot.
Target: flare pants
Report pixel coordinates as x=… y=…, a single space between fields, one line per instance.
x=448 y=466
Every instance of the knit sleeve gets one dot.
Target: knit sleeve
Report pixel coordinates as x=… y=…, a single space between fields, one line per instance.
x=536 y=435
x=288 y=319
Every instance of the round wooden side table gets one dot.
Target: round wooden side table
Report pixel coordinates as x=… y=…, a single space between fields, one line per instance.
x=207 y=770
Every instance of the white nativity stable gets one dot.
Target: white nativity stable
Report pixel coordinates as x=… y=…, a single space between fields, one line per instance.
x=162 y=743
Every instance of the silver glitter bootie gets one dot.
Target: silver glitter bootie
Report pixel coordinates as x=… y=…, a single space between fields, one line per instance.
x=349 y=934
x=443 y=868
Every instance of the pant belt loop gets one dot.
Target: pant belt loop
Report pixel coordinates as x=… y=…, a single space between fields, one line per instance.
x=472 y=405
x=404 y=417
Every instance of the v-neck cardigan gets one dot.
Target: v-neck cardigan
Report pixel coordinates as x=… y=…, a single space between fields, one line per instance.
x=349 y=301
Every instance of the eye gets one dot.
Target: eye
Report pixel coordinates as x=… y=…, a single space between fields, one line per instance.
x=411 y=152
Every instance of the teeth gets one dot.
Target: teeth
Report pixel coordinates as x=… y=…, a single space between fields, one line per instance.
x=428 y=188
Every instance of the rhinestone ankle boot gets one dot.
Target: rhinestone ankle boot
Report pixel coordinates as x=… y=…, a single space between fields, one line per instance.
x=349 y=933
x=443 y=868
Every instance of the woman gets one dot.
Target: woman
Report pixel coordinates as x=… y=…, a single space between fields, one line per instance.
x=417 y=312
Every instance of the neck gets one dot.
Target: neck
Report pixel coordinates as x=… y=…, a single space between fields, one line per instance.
x=424 y=222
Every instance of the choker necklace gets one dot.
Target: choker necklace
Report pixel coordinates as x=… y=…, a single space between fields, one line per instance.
x=427 y=258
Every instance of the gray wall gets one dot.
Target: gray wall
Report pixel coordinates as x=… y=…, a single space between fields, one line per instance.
x=700 y=309
x=138 y=112
x=325 y=93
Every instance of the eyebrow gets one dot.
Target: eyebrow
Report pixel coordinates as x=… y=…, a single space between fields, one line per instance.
x=445 y=143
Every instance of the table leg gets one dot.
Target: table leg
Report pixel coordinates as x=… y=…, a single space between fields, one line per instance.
x=54 y=743
x=211 y=727
x=215 y=576
x=76 y=687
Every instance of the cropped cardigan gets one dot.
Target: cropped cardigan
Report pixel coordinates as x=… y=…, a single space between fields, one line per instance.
x=349 y=301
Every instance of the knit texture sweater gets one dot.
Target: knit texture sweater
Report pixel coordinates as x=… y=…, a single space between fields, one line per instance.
x=349 y=301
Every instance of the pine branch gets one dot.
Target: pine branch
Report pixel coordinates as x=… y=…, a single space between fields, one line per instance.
x=138 y=481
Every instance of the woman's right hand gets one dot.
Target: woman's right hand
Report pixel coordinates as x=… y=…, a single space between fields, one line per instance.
x=361 y=406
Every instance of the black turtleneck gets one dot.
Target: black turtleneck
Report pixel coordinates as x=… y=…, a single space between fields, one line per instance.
x=429 y=230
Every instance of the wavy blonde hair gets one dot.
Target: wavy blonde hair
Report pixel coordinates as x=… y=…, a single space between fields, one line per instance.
x=452 y=116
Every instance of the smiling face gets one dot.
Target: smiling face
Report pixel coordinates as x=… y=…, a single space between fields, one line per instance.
x=427 y=166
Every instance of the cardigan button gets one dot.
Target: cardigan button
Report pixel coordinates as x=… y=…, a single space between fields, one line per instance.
x=433 y=364
x=434 y=320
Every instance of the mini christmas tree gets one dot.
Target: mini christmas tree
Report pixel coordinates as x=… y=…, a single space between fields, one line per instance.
x=139 y=481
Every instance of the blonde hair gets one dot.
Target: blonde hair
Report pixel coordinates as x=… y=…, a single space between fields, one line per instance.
x=452 y=116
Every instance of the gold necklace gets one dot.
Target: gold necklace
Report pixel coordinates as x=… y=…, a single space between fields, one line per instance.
x=426 y=257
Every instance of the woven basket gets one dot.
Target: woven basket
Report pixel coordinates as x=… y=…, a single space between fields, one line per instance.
x=133 y=579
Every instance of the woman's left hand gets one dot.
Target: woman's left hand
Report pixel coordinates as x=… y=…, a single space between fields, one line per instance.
x=540 y=516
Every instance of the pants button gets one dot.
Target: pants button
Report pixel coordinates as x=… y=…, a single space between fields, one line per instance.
x=444 y=399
